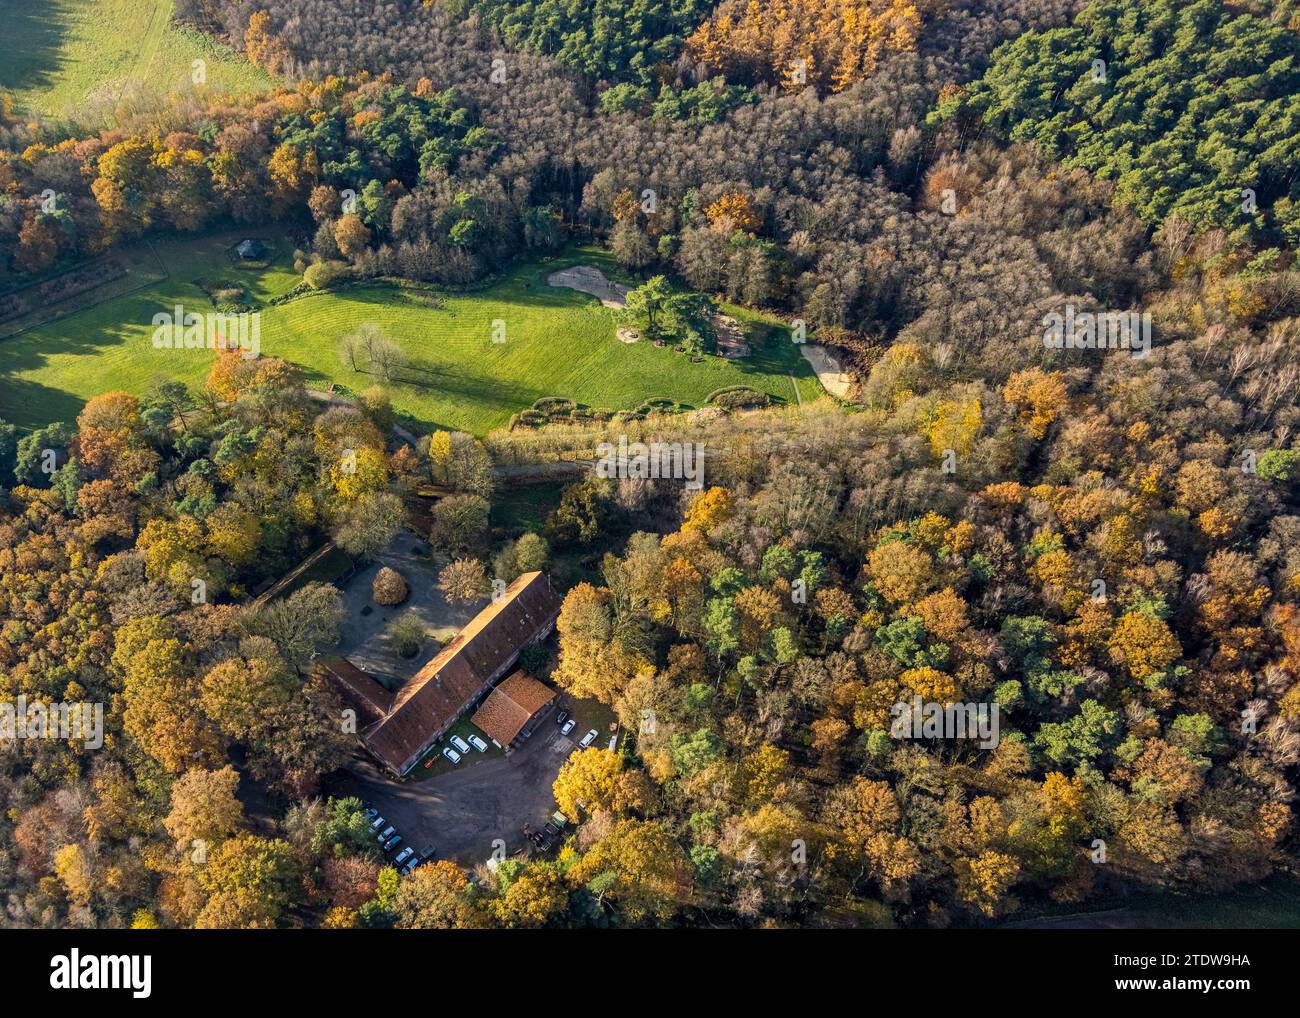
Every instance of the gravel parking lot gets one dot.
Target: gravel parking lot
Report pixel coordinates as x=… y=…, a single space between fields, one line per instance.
x=459 y=814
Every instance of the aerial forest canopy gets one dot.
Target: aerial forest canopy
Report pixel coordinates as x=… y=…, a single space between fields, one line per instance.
x=606 y=38
x=1192 y=109
x=1102 y=546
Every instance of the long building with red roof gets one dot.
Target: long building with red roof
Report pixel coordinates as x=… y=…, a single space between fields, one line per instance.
x=403 y=726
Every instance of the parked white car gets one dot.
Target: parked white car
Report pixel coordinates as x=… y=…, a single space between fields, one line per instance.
x=478 y=743
x=460 y=743
x=404 y=854
x=588 y=739
x=451 y=755
x=567 y=726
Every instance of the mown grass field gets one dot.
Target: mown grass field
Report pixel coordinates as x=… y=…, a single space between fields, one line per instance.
x=60 y=54
x=1274 y=904
x=558 y=343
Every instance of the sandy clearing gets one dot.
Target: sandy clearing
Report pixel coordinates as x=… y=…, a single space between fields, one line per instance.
x=828 y=370
x=589 y=279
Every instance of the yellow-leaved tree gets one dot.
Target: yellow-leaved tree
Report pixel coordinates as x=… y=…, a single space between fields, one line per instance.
x=829 y=44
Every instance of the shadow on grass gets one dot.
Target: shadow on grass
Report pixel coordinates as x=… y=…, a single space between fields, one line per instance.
x=31 y=405
x=33 y=45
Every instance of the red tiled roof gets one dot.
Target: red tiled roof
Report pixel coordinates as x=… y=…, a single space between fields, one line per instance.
x=360 y=689
x=438 y=693
x=509 y=706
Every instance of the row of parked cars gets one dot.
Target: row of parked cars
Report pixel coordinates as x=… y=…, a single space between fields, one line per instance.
x=458 y=748
x=406 y=859
x=567 y=723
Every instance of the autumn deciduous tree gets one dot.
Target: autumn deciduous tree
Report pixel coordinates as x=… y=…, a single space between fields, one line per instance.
x=160 y=693
x=239 y=693
x=436 y=897
x=38 y=244
x=861 y=809
x=532 y=898
x=599 y=670
x=638 y=866
x=110 y=439
x=358 y=471
x=590 y=778
x=930 y=684
x=983 y=882
x=204 y=808
x=1039 y=397
x=293 y=173
x=464 y=581
x=827 y=43
x=683 y=595
x=351 y=880
x=901 y=572
x=708 y=509
x=585 y=615
x=261 y=46
x=954 y=426
x=733 y=211
x=128 y=185
x=388 y=587
x=351 y=234
x=1144 y=644
x=369 y=524
x=762 y=775
x=250 y=882
x=944 y=615
x=233 y=533
x=73 y=866
x=592 y=662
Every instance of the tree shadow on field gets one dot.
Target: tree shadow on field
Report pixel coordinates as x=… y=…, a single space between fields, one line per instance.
x=31 y=405
x=85 y=331
x=467 y=386
x=33 y=32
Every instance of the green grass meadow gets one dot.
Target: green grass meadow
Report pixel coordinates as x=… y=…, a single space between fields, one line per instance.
x=72 y=58
x=558 y=342
x=59 y=54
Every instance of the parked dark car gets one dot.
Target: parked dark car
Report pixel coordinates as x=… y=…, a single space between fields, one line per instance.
x=561 y=717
